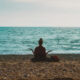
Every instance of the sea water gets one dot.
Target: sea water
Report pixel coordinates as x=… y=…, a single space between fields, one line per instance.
x=18 y=40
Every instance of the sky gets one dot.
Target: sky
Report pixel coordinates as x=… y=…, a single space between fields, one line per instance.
x=55 y=13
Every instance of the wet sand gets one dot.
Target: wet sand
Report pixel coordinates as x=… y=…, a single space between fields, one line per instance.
x=20 y=67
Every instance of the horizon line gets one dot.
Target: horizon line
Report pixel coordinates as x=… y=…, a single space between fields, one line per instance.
x=42 y=26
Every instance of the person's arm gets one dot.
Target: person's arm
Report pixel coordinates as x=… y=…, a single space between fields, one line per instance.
x=34 y=52
x=45 y=51
x=49 y=51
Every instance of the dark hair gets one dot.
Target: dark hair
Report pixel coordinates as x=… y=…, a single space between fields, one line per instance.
x=40 y=41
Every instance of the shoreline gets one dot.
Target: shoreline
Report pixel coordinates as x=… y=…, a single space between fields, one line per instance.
x=29 y=56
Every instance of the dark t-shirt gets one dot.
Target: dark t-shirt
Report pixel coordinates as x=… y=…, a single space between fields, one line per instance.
x=40 y=51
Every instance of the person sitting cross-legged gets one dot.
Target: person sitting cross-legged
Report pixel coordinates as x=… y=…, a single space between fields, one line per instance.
x=40 y=51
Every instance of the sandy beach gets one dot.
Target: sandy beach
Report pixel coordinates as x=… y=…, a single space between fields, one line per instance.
x=20 y=67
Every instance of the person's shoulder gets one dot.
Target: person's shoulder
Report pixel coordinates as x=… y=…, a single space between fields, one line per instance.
x=43 y=47
x=37 y=47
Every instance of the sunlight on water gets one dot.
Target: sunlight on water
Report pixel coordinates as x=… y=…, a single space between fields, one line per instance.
x=18 y=40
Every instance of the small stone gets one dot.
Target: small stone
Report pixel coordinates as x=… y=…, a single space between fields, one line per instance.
x=64 y=70
x=25 y=75
x=5 y=78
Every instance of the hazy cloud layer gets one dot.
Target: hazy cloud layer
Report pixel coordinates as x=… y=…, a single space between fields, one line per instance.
x=40 y=13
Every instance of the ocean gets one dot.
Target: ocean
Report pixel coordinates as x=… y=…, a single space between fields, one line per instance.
x=18 y=40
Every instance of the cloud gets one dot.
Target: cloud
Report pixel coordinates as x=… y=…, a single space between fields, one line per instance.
x=71 y=5
x=24 y=0
x=40 y=12
x=40 y=19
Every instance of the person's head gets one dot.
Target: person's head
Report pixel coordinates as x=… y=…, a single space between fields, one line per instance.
x=40 y=41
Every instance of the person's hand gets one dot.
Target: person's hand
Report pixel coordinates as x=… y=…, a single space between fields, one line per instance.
x=31 y=49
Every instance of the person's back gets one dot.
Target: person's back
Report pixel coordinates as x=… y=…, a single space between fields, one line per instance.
x=40 y=51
